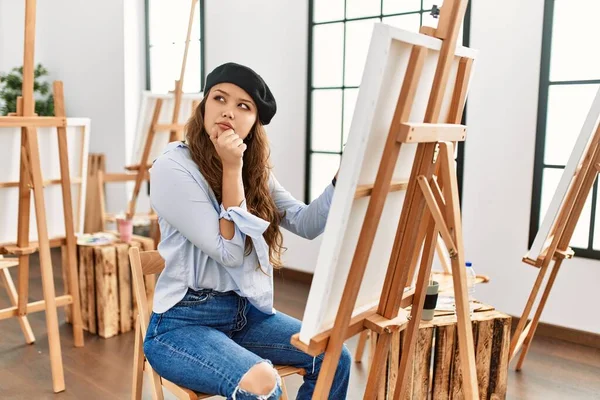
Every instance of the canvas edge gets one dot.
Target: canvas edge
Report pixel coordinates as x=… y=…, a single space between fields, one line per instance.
x=343 y=197
x=84 y=174
x=575 y=159
x=147 y=103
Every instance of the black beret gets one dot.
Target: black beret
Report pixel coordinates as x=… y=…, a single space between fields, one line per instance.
x=248 y=80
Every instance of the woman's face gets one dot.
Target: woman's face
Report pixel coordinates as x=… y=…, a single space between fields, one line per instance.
x=229 y=107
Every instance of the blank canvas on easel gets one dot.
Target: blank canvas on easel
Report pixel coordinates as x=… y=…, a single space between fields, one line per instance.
x=78 y=130
x=544 y=235
x=161 y=139
x=384 y=72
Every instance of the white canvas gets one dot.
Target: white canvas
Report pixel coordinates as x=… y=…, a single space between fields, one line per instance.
x=78 y=130
x=386 y=64
x=543 y=238
x=161 y=138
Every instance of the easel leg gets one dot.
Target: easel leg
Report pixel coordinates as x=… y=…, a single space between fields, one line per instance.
x=58 y=379
x=442 y=256
x=91 y=196
x=464 y=328
x=437 y=194
x=143 y=170
x=538 y=313
x=71 y=246
x=24 y=212
x=73 y=281
x=415 y=258
x=22 y=296
x=101 y=198
x=514 y=344
x=12 y=294
x=360 y=347
x=412 y=331
x=381 y=388
x=459 y=274
x=377 y=367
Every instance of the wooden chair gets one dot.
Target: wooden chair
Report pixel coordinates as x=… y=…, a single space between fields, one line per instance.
x=148 y=263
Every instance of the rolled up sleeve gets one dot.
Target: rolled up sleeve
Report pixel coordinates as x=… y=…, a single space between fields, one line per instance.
x=184 y=204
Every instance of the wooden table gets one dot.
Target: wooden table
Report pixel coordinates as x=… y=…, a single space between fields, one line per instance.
x=107 y=305
x=436 y=367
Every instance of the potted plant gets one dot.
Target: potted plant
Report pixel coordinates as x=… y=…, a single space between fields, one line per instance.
x=11 y=85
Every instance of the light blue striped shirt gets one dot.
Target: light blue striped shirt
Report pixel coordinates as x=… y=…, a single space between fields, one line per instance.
x=196 y=255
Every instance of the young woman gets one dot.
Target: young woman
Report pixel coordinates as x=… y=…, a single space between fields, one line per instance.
x=213 y=328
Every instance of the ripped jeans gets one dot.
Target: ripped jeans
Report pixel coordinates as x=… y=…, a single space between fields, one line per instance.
x=209 y=340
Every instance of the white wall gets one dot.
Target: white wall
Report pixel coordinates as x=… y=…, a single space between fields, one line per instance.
x=11 y=35
x=499 y=159
x=84 y=44
x=271 y=37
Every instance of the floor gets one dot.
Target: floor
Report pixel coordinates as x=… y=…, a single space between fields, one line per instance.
x=102 y=369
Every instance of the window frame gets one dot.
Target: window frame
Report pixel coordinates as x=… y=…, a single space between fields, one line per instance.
x=309 y=89
x=540 y=142
x=148 y=45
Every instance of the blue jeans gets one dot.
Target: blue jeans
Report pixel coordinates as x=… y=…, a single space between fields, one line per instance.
x=209 y=340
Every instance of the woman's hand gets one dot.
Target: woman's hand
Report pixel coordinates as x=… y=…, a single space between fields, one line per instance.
x=230 y=147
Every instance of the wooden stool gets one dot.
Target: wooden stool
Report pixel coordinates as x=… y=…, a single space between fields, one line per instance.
x=108 y=307
x=436 y=371
x=150 y=263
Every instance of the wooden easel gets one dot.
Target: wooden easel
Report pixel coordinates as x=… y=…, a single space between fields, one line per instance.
x=95 y=217
x=558 y=248
x=175 y=128
x=428 y=210
x=447 y=272
x=31 y=180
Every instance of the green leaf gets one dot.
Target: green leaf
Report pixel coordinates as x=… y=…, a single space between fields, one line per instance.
x=11 y=86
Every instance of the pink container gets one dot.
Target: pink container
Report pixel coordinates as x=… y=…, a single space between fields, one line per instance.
x=125 y=228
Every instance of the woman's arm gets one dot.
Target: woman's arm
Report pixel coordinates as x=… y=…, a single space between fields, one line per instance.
x=307 y=221
x=230 y=149
x=180 y=200
x=233 y=195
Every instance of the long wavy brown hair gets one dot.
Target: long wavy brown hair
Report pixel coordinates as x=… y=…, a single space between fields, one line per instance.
x=255 y=175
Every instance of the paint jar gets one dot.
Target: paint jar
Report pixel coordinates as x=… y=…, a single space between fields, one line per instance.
x=125 y=228
x=430 y=301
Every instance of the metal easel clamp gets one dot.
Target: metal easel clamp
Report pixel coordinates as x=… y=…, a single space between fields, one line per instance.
x=436 y=153
x=452 y=253
x=430 y=30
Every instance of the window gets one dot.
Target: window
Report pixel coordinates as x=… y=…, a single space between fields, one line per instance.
x=166 y=32
x=569 y=79
x=339 y=37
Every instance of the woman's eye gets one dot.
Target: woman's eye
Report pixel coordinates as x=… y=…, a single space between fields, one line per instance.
x=244 y=106
x=219 y=98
